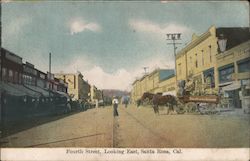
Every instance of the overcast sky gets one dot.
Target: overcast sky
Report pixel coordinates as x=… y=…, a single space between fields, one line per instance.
x=109 y=42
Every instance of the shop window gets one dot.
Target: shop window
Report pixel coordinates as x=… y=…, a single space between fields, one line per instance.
x=33 y=81
x=243 y=66
x=226 y=73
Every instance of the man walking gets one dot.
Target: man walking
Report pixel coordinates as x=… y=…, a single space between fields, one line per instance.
x=115 y=106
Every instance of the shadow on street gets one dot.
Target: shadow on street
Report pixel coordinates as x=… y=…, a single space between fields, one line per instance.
x=13 y=127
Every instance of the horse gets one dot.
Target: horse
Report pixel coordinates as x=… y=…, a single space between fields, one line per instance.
x=167 y=100
x=146 y=96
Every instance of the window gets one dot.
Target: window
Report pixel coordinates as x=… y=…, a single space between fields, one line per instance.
x=179 y=67
x=196 y=61
x=226 y=73
x=15 y=77
x=243 y=66
x=202 y=57
x=210 y=53
x=209 y=78
x=20 y=78
x=74 y=82
x=4 y=74
x=33 y=81
x=10 y=75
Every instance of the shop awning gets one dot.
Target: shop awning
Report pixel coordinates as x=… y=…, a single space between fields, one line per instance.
x=63 y=94
x=38 y=89
x=231 y=87
x=25 y=90
x=10 y=90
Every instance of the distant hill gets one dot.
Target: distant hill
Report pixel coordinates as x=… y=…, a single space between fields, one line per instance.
x=114 y=92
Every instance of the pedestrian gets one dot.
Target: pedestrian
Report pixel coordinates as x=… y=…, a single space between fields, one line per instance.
x=115 y=106
x=126 y=103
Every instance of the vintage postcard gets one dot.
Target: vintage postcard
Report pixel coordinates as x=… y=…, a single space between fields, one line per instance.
x=124 y=80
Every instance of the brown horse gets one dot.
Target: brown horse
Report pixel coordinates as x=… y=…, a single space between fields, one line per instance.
x=167 y=100
x=146 y=95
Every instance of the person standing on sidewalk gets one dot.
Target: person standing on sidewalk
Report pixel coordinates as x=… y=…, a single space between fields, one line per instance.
x=115 y=106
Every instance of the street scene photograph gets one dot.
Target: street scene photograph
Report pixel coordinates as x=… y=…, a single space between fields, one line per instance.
x=124 y=74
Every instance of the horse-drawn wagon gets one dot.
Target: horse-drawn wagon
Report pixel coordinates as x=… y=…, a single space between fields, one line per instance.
x=182 y=104
x=199 y=104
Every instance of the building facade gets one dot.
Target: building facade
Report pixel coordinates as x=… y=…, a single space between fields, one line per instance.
x=150 y=83
x=11 y=67
x=234 y=73
x=78 y=88
x=95 y=94
x=23 y=79
x=197 y=62
x=168 y=86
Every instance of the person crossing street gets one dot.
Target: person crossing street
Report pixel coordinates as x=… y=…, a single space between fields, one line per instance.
x=115 y=106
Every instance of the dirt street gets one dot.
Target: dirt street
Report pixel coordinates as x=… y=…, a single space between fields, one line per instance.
x=136 y=128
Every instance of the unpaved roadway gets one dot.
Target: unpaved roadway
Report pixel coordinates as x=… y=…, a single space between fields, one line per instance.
x=136 y=128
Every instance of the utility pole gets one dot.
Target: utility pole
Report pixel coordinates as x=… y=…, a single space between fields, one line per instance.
x=1 y=68
x=145 y=70
x=1 y=41
x=49 y=73
x=174 y=37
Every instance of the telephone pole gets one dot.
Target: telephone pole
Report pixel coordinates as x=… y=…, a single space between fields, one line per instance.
x=50 y=86
x=174 y=37
x=145 y=70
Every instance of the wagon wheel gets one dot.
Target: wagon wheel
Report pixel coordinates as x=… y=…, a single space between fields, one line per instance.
x=179 y=108
x=191 y=107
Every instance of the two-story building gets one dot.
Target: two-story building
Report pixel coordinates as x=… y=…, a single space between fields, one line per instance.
x=78 y=88
x=11 y=67
x=151 y=83
x=196 y=62
x=234 y=73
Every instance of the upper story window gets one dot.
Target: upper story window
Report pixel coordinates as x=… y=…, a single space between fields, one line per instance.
x=10 y=76
x=243 y=66
x=74 y=82
x=179 y=68
x=202 y=57
x=4 y=74
x=196 y=60
x=210 y=53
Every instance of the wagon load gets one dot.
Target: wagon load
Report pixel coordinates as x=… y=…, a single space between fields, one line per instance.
x=205 y=104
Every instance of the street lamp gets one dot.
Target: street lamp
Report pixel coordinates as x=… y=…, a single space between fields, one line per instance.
x=222 y=42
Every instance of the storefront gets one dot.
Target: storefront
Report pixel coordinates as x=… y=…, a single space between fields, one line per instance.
x=232 y=94
x=226 y=73
x=209 y=78
x=245 y=95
